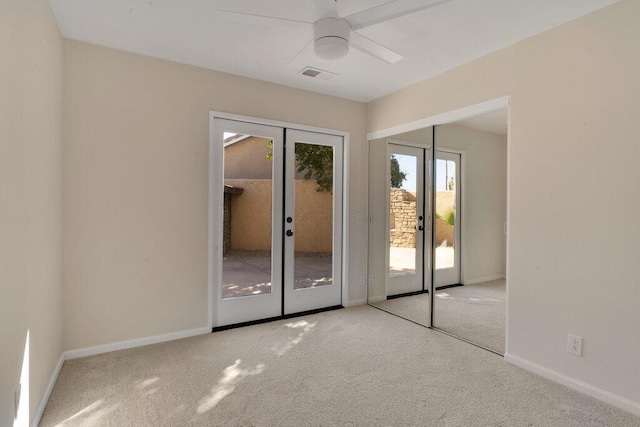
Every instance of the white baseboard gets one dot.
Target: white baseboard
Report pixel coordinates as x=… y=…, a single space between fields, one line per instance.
x=47 y=393
x=373 y=300
x=484 y=279
x=355 y=302
x=99 y=349
x=122 y=345
x=581 y=386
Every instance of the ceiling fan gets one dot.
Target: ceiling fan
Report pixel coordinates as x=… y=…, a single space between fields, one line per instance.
x=333 y=35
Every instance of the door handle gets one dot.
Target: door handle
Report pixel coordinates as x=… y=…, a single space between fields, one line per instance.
x=420 y=228
x=289 y=233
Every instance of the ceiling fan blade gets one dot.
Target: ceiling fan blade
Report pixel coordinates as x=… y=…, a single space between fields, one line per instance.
x=253 y=18
x=326 y=8
x=390 y=10
x=363 y=44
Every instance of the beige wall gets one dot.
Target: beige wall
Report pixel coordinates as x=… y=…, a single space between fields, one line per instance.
x=575 y=95
x=136 y=137
x=30 y=200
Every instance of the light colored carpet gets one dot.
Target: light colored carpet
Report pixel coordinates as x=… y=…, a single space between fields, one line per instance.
x=353 y=367
x=414 y=308
x=474 y=312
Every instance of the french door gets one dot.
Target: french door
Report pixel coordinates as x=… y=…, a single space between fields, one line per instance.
x=408 y=224
x=276 y=219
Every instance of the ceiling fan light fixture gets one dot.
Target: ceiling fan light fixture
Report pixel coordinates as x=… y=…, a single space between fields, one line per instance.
x=331 y=47
x=331 y=38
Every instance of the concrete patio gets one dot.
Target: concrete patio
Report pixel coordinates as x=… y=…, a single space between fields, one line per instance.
x=402 y=260
x=247 y=273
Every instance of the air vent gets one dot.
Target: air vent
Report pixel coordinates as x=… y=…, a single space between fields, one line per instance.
x=311 y=73
x=315 y=73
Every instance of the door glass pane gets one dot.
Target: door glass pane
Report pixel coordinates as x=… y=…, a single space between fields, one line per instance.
x=248 y=189
x=445 y=213
x=313 y=256
x=402 y=215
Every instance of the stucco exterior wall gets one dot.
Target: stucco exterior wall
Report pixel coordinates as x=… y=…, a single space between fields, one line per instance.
x=247 y=159
x=251 y=219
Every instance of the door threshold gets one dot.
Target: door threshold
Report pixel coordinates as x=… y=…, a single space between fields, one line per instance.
x=273 y=319
x=455 y=285
x=426 y=291
x=408 y=294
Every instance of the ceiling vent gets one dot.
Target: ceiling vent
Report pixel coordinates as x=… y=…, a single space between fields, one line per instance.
x=316 y=73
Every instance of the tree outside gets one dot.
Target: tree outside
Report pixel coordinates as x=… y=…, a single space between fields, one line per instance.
x=316 y=162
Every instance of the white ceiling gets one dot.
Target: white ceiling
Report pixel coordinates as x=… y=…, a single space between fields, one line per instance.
x=432 y=41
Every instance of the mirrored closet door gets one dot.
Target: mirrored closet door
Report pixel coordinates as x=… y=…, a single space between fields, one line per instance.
x=399 y=225
x=438 y=196
x=470 y=241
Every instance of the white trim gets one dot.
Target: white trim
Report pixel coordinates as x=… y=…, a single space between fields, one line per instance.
x=356 y=302
x=138 y=342
x=276 y=123
x=484 y=279
x=440 y=119
x=575 y=384
x=345 y=221
x=211 y=233
x=47 y=392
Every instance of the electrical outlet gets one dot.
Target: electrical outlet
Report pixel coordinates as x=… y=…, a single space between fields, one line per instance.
x=574 y=345
x=370 y=279
x=16 y=400
x=363 y=280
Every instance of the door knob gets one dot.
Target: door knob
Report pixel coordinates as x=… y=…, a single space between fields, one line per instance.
x=289 y=233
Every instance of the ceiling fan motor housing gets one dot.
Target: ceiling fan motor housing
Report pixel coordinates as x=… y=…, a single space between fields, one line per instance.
x=331 y=37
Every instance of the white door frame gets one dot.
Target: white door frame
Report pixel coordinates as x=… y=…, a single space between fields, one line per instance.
x=486 y=107
x=215 y=226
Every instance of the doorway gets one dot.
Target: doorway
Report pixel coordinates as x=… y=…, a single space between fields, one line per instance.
x=276 y=221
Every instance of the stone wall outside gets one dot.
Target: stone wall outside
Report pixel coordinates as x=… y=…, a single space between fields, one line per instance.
x=402 y=218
